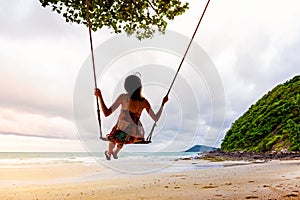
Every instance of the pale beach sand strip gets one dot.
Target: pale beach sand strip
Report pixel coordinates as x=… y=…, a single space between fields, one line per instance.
x=271 y=180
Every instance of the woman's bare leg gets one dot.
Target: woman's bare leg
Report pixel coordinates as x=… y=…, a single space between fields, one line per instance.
x=116 y=151
x=111 y=147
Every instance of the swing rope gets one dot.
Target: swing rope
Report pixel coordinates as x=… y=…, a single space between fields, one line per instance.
x=94 y=68
x=180 y=65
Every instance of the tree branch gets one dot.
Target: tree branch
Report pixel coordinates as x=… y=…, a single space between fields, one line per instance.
x=152 y=7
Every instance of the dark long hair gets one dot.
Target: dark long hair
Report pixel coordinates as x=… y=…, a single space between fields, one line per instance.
x=133 y=86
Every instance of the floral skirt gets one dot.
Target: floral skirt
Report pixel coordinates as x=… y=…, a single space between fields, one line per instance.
x=128 y=129
x=122 y=137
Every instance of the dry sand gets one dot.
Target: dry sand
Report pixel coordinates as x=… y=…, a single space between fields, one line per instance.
x=271 y=180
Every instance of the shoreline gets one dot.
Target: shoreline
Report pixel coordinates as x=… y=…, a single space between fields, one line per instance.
x=219 y=156
x=236 y=180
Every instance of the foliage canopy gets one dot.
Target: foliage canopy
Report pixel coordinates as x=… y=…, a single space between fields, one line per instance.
x=272 y=123
x=132 y=16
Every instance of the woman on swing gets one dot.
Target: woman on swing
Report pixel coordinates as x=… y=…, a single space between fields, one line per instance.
x=128 y=129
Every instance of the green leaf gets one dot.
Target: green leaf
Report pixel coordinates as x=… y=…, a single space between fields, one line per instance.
x=133 y=17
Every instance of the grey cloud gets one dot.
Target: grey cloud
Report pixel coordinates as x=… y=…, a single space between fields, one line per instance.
x=286 y=64
x=21 y=95
x=20 y=19
x=53 y=136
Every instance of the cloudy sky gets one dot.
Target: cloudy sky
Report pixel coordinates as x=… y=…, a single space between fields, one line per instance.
x=254 y=45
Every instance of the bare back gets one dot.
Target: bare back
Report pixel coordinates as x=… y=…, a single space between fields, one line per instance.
x=133 y=106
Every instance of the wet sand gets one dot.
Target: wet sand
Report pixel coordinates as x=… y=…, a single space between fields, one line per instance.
x=270 y=180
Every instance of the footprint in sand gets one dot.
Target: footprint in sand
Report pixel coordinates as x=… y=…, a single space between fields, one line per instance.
x=210 y=186
x=252 y=197
x=291 y=195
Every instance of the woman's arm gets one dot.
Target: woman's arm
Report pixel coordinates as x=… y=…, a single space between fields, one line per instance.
x=150 y=111
x=114 y=106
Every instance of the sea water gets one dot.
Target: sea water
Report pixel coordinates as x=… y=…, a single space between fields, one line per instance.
x=128 y=162
x=21 y=159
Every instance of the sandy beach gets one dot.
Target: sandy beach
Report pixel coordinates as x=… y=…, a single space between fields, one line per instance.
x=269 y=180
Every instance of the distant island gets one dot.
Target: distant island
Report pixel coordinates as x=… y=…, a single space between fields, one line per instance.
x=200 y=148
